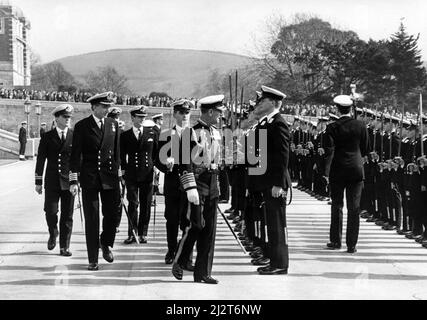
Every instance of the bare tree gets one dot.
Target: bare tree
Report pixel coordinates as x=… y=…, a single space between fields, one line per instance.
x=107 y=79
x=51 y=76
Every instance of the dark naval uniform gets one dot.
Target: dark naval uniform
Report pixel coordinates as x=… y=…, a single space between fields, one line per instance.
x=202 y=218
x=138 y=150
x=22 y=142
x=275 y=168
x=346 y=144
x=96 y=156
x=55 y=147
x=176 y=202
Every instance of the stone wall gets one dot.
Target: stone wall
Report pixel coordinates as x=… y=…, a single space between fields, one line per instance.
x=12 y=114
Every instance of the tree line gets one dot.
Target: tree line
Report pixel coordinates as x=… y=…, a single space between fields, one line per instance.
x=312 y=62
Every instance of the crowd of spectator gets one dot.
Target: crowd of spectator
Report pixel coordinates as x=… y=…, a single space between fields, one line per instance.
x=80 y=96
x=309 y=110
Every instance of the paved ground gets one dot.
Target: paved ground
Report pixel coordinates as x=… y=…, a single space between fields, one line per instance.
x=4 y=162
x=387 y=265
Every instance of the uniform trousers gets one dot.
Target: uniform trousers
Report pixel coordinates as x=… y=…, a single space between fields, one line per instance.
x=175 y=209
x=51 y=207
x=277 y=238
x=22 y=146
x=200 y=230
x=110 y=202
x=353 y=194
x=139 y=194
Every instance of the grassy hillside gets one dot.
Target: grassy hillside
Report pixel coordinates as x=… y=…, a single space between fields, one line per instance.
x=182 y=73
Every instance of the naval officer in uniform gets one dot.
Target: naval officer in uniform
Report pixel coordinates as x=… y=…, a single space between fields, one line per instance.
x=199 y=178
x=346 y=144
x=96 y=157
x=275 y=181
x=176 y=202
x=138 y=151
x=55 y=147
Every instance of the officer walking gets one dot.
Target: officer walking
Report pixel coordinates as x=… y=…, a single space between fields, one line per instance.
x=346 y=144
x=96 y=157
x=55 y=147
x=176 y=202
x=200 y=180
x=22 y=140
x=138 y=150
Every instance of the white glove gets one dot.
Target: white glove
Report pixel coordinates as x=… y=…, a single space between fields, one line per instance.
x=73 y=189
x=193 y=196
x=170 y=163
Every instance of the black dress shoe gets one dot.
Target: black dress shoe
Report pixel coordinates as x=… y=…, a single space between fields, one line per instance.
x=177 y=271
x=371 y=219
x=65 y=252
x=262 y=261
x=380 y=223
x=223 y=201
x=230 y=210
x=130 y=240
x=256 y=255
x=409 y=235
x=333 y=246
x=206 y=279
x=51 y=243
x=352 y=250
x=107 y=254
x=263 y=268
x=273 y=271
x=400 y=231
x=143 y=239
x=414 y=236
x=390 y=227
x=93 y=267
x=169 y=258
x=420 y=240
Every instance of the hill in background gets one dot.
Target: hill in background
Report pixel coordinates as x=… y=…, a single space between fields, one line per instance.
x=180 y=73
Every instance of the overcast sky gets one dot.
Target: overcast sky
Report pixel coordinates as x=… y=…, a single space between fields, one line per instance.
x=70 y=27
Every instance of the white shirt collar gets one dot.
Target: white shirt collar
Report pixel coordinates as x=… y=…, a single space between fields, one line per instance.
x=177 y=127
x=136 y=131
x=60 y=131
x=97 y=119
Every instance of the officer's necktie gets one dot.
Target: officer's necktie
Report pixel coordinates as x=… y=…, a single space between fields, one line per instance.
x=139 y=135
x=102 y=125
x=63 y=137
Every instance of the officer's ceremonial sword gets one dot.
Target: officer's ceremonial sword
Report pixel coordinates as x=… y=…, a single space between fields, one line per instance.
x=232 y=231
x=80 y=207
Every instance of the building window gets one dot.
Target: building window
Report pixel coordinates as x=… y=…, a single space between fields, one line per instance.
x=2 y=26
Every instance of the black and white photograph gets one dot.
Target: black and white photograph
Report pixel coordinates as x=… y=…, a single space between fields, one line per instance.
x=213 y=155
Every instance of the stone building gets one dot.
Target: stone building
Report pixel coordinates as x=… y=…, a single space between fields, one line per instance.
x=15 y=68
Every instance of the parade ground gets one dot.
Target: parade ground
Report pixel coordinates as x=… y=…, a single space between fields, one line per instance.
x=386 y=266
